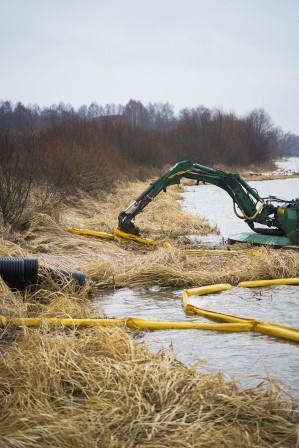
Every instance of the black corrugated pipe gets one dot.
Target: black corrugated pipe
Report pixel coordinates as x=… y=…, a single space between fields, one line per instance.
x=19 y=273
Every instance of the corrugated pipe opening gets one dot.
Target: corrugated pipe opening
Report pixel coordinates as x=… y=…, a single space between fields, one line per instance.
x=19 y=273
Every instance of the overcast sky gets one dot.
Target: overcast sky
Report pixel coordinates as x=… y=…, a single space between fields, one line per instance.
x=232 y=54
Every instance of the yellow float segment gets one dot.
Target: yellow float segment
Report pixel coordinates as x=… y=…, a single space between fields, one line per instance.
x=89 y=232
x=280 y=331
x=134 y=322
x=277 y=281
x=221 y=317
x=209 y=289
x=130 y=322
x=202 y=290
x=186 y=301
x=65 y=322
x=120 y=234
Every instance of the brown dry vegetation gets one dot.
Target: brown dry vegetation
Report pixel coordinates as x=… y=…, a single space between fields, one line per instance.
x=173 y=268
x=99 y=388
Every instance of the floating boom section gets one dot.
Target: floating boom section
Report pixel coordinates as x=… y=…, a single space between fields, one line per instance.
x=248 y=205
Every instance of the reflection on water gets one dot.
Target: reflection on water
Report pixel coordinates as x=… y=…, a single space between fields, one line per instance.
x=237 y=354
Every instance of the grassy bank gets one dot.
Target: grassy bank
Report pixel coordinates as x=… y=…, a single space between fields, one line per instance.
x=102 y=388
x=99 y=388
x=174 y=268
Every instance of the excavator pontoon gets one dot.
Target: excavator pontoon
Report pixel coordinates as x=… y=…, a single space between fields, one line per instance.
x=277 y=219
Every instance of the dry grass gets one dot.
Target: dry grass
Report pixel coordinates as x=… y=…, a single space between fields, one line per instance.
x=58 y=248
x=50 y=299
x=173 y=268
x=97 y=388
x=10 y=249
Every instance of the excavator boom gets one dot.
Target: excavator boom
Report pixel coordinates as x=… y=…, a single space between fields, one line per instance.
x=280 y=217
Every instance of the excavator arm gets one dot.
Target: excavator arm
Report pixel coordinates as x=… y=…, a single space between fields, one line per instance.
x=247 y=203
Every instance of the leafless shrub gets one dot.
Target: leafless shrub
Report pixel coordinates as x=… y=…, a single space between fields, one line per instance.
x=17 y=167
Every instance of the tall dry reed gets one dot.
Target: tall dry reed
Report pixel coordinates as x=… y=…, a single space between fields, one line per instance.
x=172 y=267
x=98 y=388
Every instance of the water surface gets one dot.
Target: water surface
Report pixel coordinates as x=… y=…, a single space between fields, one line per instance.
x=248 y=356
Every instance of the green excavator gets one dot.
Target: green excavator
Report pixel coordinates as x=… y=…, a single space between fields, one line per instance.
x=279 y=217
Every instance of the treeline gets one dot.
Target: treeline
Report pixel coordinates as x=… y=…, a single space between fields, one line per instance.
x=59 y=148
x=140 y=135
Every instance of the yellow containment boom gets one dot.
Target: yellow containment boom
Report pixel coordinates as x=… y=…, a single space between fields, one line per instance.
x=89 y=232
x=118 y=235
x=269 y=328
x=130 y=322
x=261 y=283
x=229 y=323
